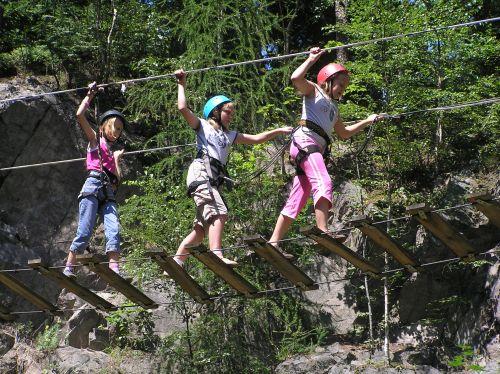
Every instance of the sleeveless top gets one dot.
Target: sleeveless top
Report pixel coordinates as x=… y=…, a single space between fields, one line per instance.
x=108 y=161
x=321 y=110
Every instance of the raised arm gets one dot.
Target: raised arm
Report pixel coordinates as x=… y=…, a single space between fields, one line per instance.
x=345 y=132
x=262 y=137
x=298 y=77
x=188 y=115
x=80 y=115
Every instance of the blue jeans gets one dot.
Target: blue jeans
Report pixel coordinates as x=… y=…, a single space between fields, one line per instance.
x=91 y=203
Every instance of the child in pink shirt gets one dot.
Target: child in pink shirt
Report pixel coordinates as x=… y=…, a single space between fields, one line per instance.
x=97 y=196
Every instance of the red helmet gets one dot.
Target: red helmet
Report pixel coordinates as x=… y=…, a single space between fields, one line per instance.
x=328 y=70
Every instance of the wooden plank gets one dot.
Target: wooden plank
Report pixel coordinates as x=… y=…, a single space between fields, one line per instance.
x=482 y=195
x=5 y=314
x=71 y=285
x=329 y=243
x=30 y=295
x=179 y=275
x=95 y=263
x=223 y=271
x=284 y=266
x=386 y=242
x=485 y=204
x=441 y=229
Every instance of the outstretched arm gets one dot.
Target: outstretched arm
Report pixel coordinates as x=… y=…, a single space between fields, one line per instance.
x=80 y=115
x=298 y=77
x=345 y=132
x=262 y=137
x=188 y=115
x=117 y=155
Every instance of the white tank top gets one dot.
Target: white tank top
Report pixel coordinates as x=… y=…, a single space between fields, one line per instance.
x=321 y=110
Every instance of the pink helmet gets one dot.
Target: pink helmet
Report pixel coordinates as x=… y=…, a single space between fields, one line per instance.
x=328 y=70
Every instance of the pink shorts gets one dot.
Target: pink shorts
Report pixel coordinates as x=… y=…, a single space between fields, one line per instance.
x=315 y=180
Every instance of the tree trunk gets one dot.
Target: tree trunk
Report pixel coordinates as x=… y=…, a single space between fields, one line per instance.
x=341 y=18
x=439 y=126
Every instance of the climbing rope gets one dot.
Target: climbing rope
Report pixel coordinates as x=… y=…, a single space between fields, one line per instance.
x=488 y=101
x=149 y=150
x=261 y=60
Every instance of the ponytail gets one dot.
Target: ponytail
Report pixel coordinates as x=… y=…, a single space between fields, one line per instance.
x=215 y=118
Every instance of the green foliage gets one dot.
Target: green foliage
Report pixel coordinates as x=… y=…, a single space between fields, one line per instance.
x=295 y=338
x=23 y=331
x=241 y=336
x=465 y=359
x=7 y=65
x=47 y=341
x=36 y=59
x=133 y=328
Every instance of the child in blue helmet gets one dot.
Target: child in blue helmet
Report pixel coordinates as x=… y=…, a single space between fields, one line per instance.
x=207 y=172
x=97 y=196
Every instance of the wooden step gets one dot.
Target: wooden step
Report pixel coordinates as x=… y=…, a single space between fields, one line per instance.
x=180 y=276
x=441 y=229
x=485 y=204
x=386 y=242
x=333 y=246
x=27 y=293
x=223 y=271
x=96 y=263
x=277 y=260
x=5 y=314
x=71 y=285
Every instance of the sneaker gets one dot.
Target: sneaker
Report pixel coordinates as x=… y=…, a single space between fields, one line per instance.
x=69 y=273
x=229 y=262
x=285 y=254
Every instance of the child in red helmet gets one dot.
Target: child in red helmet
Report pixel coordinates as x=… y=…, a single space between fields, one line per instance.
x=97 y=196
x=310 y=143
x=206 y=173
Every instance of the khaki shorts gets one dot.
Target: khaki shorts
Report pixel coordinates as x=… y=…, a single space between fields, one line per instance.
x=209 y=205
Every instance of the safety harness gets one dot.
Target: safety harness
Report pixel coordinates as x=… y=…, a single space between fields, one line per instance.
x=216 y=172
x=106 y=177
x=304 y=152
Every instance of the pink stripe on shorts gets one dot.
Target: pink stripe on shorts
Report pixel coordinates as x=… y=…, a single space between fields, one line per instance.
x=316 y=179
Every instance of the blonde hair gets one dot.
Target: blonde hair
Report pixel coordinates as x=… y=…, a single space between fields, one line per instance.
x=111 y=122
x=211 y=120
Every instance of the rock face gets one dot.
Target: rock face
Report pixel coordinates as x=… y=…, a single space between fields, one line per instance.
x=80 y=325
x=6 y=343
x=339 y=358
x=71 y=360
x=83 y=361
x=38 y=205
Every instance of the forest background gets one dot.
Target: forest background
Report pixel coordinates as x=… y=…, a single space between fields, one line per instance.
x=76 y=42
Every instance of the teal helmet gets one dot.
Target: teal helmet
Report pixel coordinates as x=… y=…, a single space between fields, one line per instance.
x=213 y=103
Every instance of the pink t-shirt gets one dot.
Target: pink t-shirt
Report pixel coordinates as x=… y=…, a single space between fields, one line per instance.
x=108 y=161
